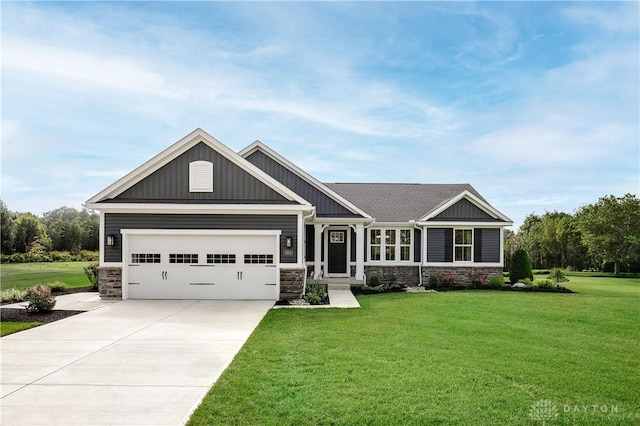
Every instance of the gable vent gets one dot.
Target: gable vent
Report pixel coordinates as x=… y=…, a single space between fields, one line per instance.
x=200 y=176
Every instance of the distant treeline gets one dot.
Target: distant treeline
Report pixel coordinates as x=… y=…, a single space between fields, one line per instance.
x=61 y=230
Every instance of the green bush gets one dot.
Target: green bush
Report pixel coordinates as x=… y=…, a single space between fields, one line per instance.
x=57 y=286
x=520 y=267
x=557 y=276
x=40 y=299
x=374 y=281
x=527 y=281
x=87 y=256
x=389 y=280
x=433 y=280
x=61 y=256
x=92 y=274
x=544 y=284
x=447 y=279
x=12 y=295
x=316 y=294
x=478 y=277
x=496 y=282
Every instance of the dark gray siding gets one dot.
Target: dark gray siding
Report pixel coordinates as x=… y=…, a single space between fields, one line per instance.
x=114 y=222
x=464 y=210
x=325 y=206
x=486 y=245
x=490 y=245
x=170 y=183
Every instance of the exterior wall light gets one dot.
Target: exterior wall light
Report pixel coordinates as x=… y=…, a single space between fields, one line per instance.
x=111 y=240
x=288 y=242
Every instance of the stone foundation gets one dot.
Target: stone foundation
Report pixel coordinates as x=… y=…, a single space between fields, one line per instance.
x=291 y=283
x=110 y=282
x=461 y=273
x=406 y=276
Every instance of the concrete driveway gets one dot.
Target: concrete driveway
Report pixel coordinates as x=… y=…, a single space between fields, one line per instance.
x=135 y=362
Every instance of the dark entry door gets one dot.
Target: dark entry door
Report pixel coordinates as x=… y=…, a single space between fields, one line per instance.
x=337 y=252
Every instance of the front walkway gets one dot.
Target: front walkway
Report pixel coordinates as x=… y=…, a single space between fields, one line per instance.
x=84 y=301
x=134 y=362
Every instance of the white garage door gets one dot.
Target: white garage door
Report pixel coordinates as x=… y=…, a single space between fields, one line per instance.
x=201 y=266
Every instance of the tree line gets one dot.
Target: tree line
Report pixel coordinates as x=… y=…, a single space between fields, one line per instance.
x=62 y=229
x=599 y=236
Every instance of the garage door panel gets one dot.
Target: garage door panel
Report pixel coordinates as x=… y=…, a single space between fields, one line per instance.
x=202 y=267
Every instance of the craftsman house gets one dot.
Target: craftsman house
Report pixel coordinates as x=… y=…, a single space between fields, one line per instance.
x=200 y=221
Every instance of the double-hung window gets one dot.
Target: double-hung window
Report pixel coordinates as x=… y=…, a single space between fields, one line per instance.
x=390 y=245
x=463 y=245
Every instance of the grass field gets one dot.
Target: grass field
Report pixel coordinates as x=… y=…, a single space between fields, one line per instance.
x=463 y=358
x=25 y=275
x=7 y=328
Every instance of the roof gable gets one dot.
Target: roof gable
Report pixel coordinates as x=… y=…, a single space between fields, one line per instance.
x=164 y=178
x=327 y=202
x=465 y=206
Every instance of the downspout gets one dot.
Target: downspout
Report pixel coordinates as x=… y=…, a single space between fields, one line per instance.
x=304 y=281
x=415 y=225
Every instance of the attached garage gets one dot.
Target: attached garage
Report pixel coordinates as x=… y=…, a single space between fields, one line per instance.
x=200 y=264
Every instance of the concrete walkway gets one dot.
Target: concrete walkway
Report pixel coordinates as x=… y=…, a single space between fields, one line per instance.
x=85 y=301
x=134 y=362
x=340 y=296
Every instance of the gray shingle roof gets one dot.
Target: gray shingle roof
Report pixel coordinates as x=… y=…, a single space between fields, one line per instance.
x=399 y=202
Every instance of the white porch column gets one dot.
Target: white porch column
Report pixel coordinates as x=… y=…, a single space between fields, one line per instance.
x=317 y=250
x=359 y=252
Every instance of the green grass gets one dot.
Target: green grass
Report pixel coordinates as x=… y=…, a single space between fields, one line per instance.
x=7 y=328
x=463 y=358
x=25 y=275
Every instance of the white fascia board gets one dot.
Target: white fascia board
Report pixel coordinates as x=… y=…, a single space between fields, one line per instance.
x=258 y=145
x=464 y=264
x=344 y=221
x=473 y=199
x=393 y=225
x=275 y=232
x=200 y=208
x=451 y=224
x=180 y=147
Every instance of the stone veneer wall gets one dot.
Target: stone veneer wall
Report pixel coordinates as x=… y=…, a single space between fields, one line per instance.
x=291 y=283
x=406 y=276
x=110 y=282
x=461 y=273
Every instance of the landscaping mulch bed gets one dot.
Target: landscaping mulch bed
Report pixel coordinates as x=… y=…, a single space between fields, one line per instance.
x=21 y=315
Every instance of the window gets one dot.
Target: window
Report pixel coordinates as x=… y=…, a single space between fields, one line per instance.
x=258 y=258
x=390 y=244
x=405 y=244
x=145 y=257
x=200 y=176
x=221 y=258
x=396 y=245
x=375 y=244
x=336 y=237
x=463 y=245
x=183 y=258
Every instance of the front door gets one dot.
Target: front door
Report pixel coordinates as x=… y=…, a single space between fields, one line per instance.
x=337 y=253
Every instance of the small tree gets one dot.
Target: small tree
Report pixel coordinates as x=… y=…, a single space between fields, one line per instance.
x=520 y=266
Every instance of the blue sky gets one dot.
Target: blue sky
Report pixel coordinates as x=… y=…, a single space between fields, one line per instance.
x=536 y=104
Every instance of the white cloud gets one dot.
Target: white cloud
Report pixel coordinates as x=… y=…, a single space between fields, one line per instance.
x=617 y=17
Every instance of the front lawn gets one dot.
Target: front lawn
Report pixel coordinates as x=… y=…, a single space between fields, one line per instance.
x=25 y=275
x=7 y=328
x=467 y=357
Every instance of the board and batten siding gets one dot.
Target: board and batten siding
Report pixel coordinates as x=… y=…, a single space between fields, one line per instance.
x=170 y=183
x=325 y=205
x=486 y=245
x=464 y=210
x=114 y=222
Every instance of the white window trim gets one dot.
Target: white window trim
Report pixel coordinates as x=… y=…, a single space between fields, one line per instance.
x=463 y=245
x=397 y=244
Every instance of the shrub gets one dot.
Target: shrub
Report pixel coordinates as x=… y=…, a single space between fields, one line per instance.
x=520 y=266
x=61 y=256
x=316 y=294
x=92 y=274
x=389 y=280
x=57 y=286
x=40 y=299
x=527 y=281
x=374 y=281
x=447 y=279
x=434 y=281
x=478 y=277
x=557 y=276
x=87 y=256
x=545 y=284
x=496 y=282
x=12 y=295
